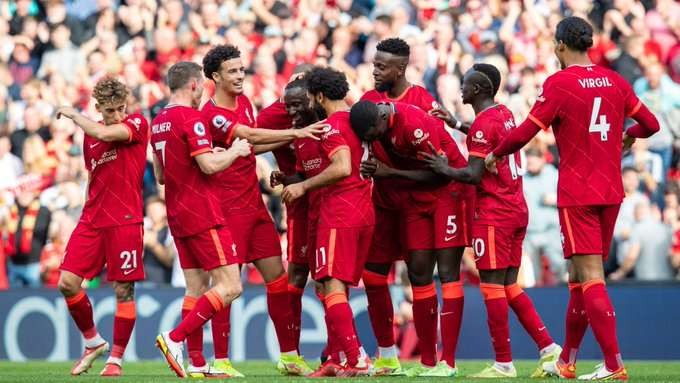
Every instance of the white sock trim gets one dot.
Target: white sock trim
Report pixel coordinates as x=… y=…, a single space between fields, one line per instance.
x=387 y=352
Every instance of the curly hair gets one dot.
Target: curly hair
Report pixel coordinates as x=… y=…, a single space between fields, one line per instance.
x=575 y=32
x=328 y=81
x=110 y=90
x=395 y=46
x=216 y=56
x=491 y=73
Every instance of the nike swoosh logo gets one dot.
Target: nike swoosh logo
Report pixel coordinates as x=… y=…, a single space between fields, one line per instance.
x=542 y=328
x=93 y=145
x=301 y=145
x=449 y=238
x=128 y=272
x=201 y=316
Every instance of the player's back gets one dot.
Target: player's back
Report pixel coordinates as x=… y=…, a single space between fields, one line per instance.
x=587 y=107
x=178 y=134
x=500 y=197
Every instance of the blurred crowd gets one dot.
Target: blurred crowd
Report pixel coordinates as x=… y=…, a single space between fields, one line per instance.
x=52 y=52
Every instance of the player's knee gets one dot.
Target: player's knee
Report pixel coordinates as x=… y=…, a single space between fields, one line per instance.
x=68 y=286
x=298 y=277
x=233 y=291
x=419 y=279
x=124 y=291
x=448 y=274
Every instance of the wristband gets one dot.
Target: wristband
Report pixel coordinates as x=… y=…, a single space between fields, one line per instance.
x=458 y=124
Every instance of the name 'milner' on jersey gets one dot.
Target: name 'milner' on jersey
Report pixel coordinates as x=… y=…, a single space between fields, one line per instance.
x=587 y=107
x=114 y=192
x=178 y=134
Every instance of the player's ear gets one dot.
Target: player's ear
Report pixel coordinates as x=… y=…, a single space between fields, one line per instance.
x=215 y=76
x=97 y=107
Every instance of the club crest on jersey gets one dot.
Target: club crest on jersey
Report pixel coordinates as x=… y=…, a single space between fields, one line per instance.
x=539 y=95
x=199 y=129
x=219 y=120
x=418 y=133
x=420 y=136
x=479 y=137
x=435 y=105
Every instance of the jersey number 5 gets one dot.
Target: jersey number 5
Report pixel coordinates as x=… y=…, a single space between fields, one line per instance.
x=601 y=126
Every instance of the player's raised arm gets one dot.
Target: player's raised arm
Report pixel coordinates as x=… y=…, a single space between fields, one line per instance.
x=218 y=159
x=439 y=163
x=270 y=136
x=108 y=133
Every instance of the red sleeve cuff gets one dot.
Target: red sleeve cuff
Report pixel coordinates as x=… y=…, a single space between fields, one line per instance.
x=200 y=151
x=335 y=150
x=478 y=154
x=636 y=109
x=537 y=122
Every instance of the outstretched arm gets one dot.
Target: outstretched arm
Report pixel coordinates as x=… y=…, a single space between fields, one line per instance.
x=107 y=133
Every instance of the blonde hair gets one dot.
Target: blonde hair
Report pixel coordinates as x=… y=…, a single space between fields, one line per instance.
x=110 y=90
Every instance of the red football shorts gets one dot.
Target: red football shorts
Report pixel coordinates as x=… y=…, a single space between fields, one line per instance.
x=341 y=253
x=387 y=245
x=297 y=236
x=444 y=226
x=207 y=250
x=120 y=248
x=255 y=236
x=496 y=247
x=587 y=229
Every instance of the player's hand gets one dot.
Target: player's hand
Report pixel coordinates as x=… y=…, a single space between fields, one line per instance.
x=368 y=168
x=313 y=131
x=219 y=149
x=443 y=114
x=276 y=178
x=490 y=163
x=617 y=275
x=67 y=112
x=293 y=192
x=439 y=163
x=628 y=142
x=241 y=147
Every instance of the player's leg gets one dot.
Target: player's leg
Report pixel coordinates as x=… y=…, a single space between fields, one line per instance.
x=576 y=325
x=589 y=233
x=298 y=274
x=213 y=250
x=451 y=316
x=492 y=255
x=83 y=259
x=298 y=262
x=197 y=283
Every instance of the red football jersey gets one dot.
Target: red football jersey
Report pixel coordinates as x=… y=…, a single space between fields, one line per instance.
x=275 y=117
x=239 y=190
x=114 y=192
x=178 y=134
x=348 y=202
x=414 y=95
x=587 y=107
x=500 y=197
x=310 y=162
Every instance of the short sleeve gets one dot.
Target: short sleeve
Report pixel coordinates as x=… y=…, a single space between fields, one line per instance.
x=547 y=105
x=427 y=102
x=332 y=141
x=420 y=135
x=480 y=138
x=197 y=136
x=138 y=128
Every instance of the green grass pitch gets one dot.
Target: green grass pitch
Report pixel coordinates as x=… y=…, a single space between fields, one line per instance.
x=259 y=371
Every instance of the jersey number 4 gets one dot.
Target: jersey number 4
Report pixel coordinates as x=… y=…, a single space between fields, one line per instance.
x=601 y=126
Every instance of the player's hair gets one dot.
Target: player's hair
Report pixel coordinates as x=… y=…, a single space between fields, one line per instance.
x=181 y=73
x=492 y=74
x=216 y=56
x=327 y=81
x=395 y=46
x=297 y=83
x=110 y=90
x=575 y=32
x=362 y=116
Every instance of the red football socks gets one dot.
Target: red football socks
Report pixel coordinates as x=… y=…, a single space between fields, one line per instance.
x=497 y=319
x=425 y=318
x=524 y=308
x=576 y=323
x=206 y=307
x=451 y=318
x=281 y=314
x=380 y=310
x=602 y=320
x=81 y=311
x=342 y=325
x=123 y=323
x=221 y=328
x=295 y=297
x=195 y=339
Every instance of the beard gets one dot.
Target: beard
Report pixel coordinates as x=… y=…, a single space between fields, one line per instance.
x=385 y=86
x=319 y=112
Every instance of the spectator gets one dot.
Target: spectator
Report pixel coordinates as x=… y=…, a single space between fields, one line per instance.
x=26 y=230
x=650 y=169
x=662 y=97
x=648 y=256
x=158 y=244
x=64 y=58
x=11 y=166
x=60 y=230
x=626 y=219
x=543 y=232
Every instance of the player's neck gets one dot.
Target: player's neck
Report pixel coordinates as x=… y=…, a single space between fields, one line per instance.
x=225 y=99
x=335 y=106
x=399 y=88
x=481 y=105
x=181 y=99
x=578 y=60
